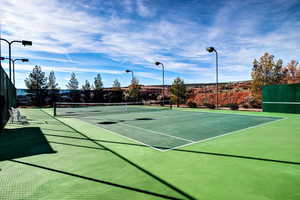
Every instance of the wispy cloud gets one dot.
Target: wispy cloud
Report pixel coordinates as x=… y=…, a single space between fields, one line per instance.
x=25 y=67
x=137 y=32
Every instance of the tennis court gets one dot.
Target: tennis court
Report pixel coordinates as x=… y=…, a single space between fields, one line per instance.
x=41 y=158
x=161 y=128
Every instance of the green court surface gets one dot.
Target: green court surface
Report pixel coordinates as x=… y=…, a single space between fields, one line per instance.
x=169 y=129
x=112 y=156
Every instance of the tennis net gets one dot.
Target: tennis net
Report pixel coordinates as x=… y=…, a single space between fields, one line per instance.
x=87 y=109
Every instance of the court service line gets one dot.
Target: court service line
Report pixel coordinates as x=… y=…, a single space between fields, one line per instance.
x=117 y=134
x=123 y=136
x=229 y=133
x=156 y=132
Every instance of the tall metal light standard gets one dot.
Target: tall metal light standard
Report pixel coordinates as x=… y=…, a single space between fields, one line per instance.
x=128 y=71
x=163 y=80
x=210 y=50
x=13 y=62
x=23 y=42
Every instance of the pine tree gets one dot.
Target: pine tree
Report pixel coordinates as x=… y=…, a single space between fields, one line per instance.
x=178 y=91
x=36 y=79
x=86 y=86
x=134 y=89
x=116 y=84
x=73 y=82
x=52 y=81
x=98 y=82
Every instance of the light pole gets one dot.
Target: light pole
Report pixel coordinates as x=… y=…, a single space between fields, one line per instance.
x=23 y=42
x=128 y=71
x=210 y=50
x=163 y=80
x=13 y=62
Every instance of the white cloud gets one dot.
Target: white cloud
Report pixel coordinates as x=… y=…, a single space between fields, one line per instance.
x=25 y=67
x=143 y=10
x=237 y=31
x=128 y=5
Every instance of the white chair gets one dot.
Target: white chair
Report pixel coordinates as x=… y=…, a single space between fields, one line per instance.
x=15 y=116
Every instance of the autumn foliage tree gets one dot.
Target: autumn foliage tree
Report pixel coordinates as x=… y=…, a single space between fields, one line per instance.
x=266 y=71
x=292 y=72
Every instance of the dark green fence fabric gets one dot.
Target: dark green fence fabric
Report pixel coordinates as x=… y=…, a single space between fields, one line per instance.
x=7 y=97
x=284 y=98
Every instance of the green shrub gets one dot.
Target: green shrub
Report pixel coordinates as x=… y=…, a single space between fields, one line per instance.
x=209 y=105
x=233 y=106
x=192 y=104
x=245 y=105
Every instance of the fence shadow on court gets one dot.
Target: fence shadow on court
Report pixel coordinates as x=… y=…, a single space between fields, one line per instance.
x=164 y=182
x=98 y=180
x=23 y=142
x=187 y=151
x=207 y=153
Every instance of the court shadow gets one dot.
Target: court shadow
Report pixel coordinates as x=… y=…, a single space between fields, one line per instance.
x=117 y=121
x=107 y=122
x=76 y=145
x=144 y=118
x=187 y=151
x=23 y=142
x=85 y=178
x=164 y=182
x=205 y=152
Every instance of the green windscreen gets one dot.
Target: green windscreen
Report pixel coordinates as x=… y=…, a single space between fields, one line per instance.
x=7 y=97
x=284 y=98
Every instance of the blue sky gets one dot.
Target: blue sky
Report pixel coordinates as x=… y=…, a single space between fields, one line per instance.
x=107 y=37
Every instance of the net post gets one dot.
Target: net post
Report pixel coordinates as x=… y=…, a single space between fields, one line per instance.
x=126 y=108
x=54 y=109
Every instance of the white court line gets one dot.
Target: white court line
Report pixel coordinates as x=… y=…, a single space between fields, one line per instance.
x=190 y=141
x=155 y=132
x=216 y=112
x=229 y=133
x=295 y=102
x=123 y=136
x=160 y=117
x=147 y=130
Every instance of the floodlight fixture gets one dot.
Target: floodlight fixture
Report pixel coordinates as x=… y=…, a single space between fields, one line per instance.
x=163 y=80
x=26 y=43
x=210 y=50
x=23 y=42
x=13 y=64
x=25 y=60
x=128 y=71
